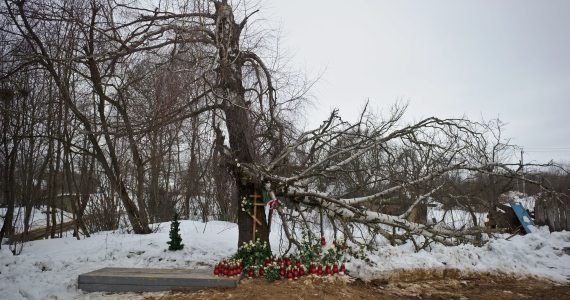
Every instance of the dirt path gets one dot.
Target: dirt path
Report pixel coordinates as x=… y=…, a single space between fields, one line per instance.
x=417 y=284
x=39 y=233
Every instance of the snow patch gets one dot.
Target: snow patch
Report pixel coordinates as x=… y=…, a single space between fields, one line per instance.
x=49 y=269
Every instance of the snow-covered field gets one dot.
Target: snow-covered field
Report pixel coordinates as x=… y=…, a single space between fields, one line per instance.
x=48 y=269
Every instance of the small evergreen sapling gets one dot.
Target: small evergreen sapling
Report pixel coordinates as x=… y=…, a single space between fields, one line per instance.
x=175 y=242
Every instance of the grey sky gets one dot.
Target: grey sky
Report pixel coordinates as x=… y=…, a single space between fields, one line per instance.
x=491 y=58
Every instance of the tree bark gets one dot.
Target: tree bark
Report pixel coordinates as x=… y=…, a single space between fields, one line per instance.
x=240 y=130
x=10 y=156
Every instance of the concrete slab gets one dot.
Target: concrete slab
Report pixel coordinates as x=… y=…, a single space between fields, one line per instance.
x=151 y=280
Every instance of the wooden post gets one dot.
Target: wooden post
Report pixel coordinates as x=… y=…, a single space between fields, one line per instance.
x=256 y=221
x=567 y=208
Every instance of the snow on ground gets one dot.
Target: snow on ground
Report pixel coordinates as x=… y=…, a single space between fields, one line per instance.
x=542 y=254
x=454 y=218
x=526 y=201
x=48 y=269
x=458 y=218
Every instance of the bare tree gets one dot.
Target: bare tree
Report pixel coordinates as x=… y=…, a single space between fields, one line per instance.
x=97 y=45
x=349 y=170
x=10 y=143
x=139 y=84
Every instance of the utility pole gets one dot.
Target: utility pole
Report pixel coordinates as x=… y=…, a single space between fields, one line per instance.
x=522 y=169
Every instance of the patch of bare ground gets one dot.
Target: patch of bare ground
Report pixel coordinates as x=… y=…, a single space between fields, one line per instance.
x=403 y=284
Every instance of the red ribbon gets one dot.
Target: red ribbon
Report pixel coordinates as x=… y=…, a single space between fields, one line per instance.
x=273 y=204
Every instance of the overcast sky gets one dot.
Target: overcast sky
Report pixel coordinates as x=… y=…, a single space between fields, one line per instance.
x=486 y=58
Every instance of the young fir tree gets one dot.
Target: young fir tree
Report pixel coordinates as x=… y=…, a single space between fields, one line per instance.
x=175 y=242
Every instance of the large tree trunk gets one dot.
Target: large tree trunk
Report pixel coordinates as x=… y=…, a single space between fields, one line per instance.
x=240 y=130
x=8 y=193
x=9 y=167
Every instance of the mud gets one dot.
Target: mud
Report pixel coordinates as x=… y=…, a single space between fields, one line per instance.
x=409 y=284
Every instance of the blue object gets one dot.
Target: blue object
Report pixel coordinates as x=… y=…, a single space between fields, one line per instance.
x=523 y=216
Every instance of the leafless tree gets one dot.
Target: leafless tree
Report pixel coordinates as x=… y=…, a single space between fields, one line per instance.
x=92 y=51
x=181 y=102
x=350 y=170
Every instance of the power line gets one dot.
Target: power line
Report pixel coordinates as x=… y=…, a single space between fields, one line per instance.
x=549 y=147
x=551 y=150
